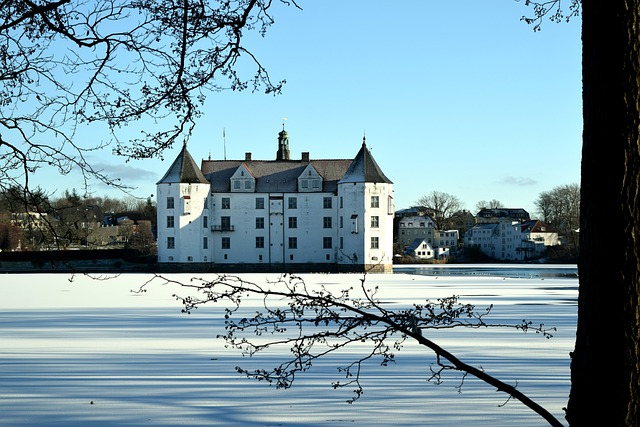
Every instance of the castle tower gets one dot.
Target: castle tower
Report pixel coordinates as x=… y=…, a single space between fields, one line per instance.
x=365 y=198
x=183 y=233
x=283 y=145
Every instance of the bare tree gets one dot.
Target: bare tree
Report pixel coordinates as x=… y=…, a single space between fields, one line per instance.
x=441 y=206
x=491 y=204
x=313 y=322
x=65 y=64
x=560 y=209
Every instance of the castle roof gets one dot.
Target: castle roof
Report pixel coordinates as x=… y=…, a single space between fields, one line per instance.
x=280 y=175
x=364 y=168
x=274 y=175
x=184 y=170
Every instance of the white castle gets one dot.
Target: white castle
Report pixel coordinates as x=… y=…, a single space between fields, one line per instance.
x=276 y=215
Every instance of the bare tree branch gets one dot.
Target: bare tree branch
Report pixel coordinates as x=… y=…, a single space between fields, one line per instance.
x=314 y=322
x=66 y=64
x=551 y=8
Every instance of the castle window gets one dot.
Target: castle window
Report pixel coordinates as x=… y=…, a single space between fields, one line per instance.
x=327 y=243
x=247 y=185
x=293 y=243
x=326 y=202
x=226 y=243
x=171 y=242
x=304 y=183
x=375 y=221
x=375 y=201
x=259 y=223
x=293 y=203
x=259 y=242
x=326 y=222
x=205 y=222
x=375 y=243
x=293 y=222
x=315 y=183
x=236 y=184
x=186 y=208
x=205 y=243
x=170 y=203
x=170 y=221
x=226 y=203
x=259 y=202
x=225 y=223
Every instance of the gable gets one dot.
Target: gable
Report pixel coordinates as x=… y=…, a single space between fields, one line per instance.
x=242 y=180
x=309 y=180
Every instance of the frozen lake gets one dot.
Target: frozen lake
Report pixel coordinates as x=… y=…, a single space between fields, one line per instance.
x=90 y=352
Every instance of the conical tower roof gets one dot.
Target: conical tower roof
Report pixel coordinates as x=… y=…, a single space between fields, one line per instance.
x=364 y=168
x=184 y=170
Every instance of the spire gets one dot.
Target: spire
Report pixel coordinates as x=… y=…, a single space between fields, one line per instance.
x=283 y=145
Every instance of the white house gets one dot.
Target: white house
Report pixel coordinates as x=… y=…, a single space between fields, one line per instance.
x=512 y=240
x=279 y=215
x=420 y=248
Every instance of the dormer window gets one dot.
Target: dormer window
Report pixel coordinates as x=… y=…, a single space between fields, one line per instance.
x=309 y=180
x=242 y=180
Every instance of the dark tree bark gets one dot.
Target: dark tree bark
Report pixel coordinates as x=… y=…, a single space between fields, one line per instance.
x=605 y=363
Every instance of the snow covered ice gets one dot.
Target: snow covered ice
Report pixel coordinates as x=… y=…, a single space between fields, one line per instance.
x=91 y=352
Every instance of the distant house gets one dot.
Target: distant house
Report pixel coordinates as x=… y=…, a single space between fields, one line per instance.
x=512 y=240
x=502 y=214
x=462 y=221
x=412 y=227
x=421 y=249
x=446 y=239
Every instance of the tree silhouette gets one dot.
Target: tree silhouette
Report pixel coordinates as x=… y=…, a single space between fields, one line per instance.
x=65 y=64
x=313 y=322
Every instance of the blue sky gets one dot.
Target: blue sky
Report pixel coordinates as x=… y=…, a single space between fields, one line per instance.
x=456 y=96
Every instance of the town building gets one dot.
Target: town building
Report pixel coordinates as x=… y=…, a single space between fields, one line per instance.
x=413 y=229
x=277 y=215
x=512 y=240
x=493 y=215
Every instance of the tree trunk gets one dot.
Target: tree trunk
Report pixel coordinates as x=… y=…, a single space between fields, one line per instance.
x=605 y=363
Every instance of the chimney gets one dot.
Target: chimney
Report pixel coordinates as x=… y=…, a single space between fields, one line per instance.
x=247 y=157
x=305 y=156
